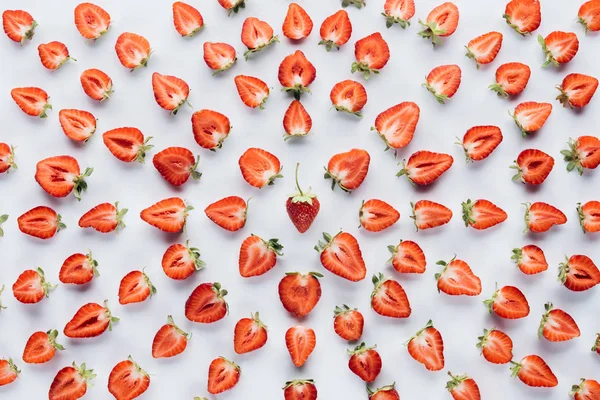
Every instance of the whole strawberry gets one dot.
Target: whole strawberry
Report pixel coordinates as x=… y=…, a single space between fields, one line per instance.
x=302 y=207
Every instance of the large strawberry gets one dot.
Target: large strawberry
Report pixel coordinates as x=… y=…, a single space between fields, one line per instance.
x=219 y=56
x=424 y=167
x=341 y=255
x=31 y=286
x=557 y=326
x=177 y=165
x=533 y=166
x=170 y=340
x=78 y=269
x=442 y=21
x=376 y=215
x=104 y=218
x=297 y=23
x=335 y=30
x=91 y=20
x=78 y=125
x=253 y=92
x=210 y=129
x=296 y=73
x=508 y=302
x=559 y=47
x=530 y=116
x=259 y=167
x=168 y=215
x=577 y=90
x=480 y=141
x=496 y=346
x=71 y=382
x=181 y=261
x=133 y=50
x=407 y=257
x=206 y=304
x=511 y=79
x=348 y=96
x=389 y=298
x=302 y=207
x=530 y=259
x=398 y=12
x=258 y=256
x=222 y=374
x=127 y=380
x=365 y=362
x=187 y=19
x=60 y=175
x=443 y=82
x=540 y=217
x=524 y=16
x=89 y=321
x=249 y=334
x=396 y=125
x=300 y=342
x=40 y=222
x=170 y=92
x=482 y=214
x=41 y=347
x=372 y=54
x=533 y=371
x=32 y=101
x=257 y=35
x=484 y=49
x=96 y=84
x=300 y=293
x=18 y=25
x=229 y=213
x=583 y=153
x=427 y=347
x=348 y=323
x=54 y=54
x=457 y=279
x=348 y=170
x=135 y=287
x=127 y=144
x=578 y=273
x=428 y=214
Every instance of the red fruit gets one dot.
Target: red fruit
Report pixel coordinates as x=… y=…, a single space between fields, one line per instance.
x=259 y=167
x=589 y=15
x=588 y=389
x=222 y=373
x=578 y=273
x=496 y=346
x=32 y=101
x=253 y=91
x=77 y=125
x=396 y=125
x=170 y=92
x=462 y=387
x=457 y=279
x=372 y=53
x=540 y=217
x=302 y=207
x=249 y=334
x=398 y=12
x=559 y=47
x=257 y=35
x=427 y=348
x=7 y=158
x=300 y=342
x=219 y=56
x=133 y=50
x=484 y=49
x=407 y=257
x=443 y=82
x=127 y=380
x=229 y=213
x=482 y=214
x=91 y=20
x=18 y=25
x=341 y=255
x=508 y=302
x=428 y=214
x=583 y=153
x=577 y=90
x=424 y=167
x=365 y=362
x=557 y=325
x=71 y=383
x=40 y=222
x=531 y=116
x=530 y=259
x=135 y=287
x=300 y=389
x=181 y=261
x=170 y=340
x=589 y=216
x=78 y=269
x=296 y=121
x=296 y=73
x=377 y=215
x=258 y=256
x=300 y=293
x=168 y=215
x=480 y=141
x=442 y=21
x=54 y=54
x=533 y=166
x=511 y=79
x=206 y=304
x=348 y=170
x=187 y=19
x=96 y=84
x=210 y=129
x=533 y=371
x=176 y=165
x=104 y=218
x=232 y=5
x=348 y=96
x=31 y=286
x=60 y=175
x=389 y=298
x=90 y=320
x=41 y=347
x=348 y=323
x=297 y=23
x=384 y=393
x=335 y=30
x=524 y=16
x=127 y=144
x=8 y=371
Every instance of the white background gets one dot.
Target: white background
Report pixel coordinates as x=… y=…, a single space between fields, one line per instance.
x=264 y=372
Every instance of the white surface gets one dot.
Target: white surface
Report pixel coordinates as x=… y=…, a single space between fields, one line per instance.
x=264 y=372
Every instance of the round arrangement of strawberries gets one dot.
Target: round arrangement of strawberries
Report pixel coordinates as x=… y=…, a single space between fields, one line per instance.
x=222 y=302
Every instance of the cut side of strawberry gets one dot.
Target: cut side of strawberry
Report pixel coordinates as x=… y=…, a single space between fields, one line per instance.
x=508 y=302
x=365 y=362
x=249 y=334
x=7 y=158
x=105 y=217
x=206 y=304
x=480 y=141
x=457 y=279
x=78 y=269
x=335 y=30
x=372 y=54
x=511 y=79
x=232 y=6
x=168 y=215
x=407 y=257
x=388 y=298
x=96 y=84
x=9 y=372
x=296 y=73
x=496 y=346
x=252 y=91
x=533 y=166
x=530 y=259
x=341 y=256
x=19 y=26
x=299 y=389
x=578 y=273
x=587 y=388
x=348 y=96
x=258 y=256
x=128 y=380
x=300 y=293
x=462 y=387
x=396 y=125
x=177 y=165
x=348 y=323
x=132 y=50
x=428 y=214
x=297 y=23
x=427 y=347
x=92 y=21
x=296 y=121
x=222 y=374
x=540 y=217
x=257 y=35
x=348 y=170
x=482 y=214
x=32 y=101
x=443 y=82
x=60 y=175
x=31 y=286
x=41 y=347
x=71 y=382
x=589 y=15
x=40 y=222
x=484 y=49
x=524 y=16
x=424 y=167
x=577 y=90
x=229 y=213
x=559 y=47
x=219 y=56
x=210 y=129
x=181 y=261
x=187 y=19
x=135 y=287
x=583 y=153
x=259 y=167
x=442 y=21
x=557 y=326
x=589 y=216
x=90 y=320
x=376 y=215
x=53 y=55
x=531 y=116
x=78 y=125
x=127 y=144
x=533 y=371
x=300 y=342
x=170 y=340
x=170 y=92
x=398 y=12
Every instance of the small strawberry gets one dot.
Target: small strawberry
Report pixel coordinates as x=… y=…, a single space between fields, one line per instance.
x=524 y=16
x=127 y=380
x=18 y=25
x=300 y=293
x=443 y=82
x=32 y=101
x=78 y=269
x=462 y=387
x=168 y=215
x=425 y=167
x=252 y=91
x=9 y=372
x=302 y=207
x=104 y=218
x=589 y=216
x=60 y=175
x=398 y=12
x=135 y=287
x=89 y=321
x=78 y=125
x=249 y=334
x=335 y=30
x=219 y=56
x=508 y=302
x=540 y=217
x=31 y=286
x=559 y=47
x=296 y=121
x=389 y=298
x=259 y=167
x=170 y=92
x=496 y=346
x=257 y=35
x=300 y=389
x=530 y=259
x=170 y=340
x=296 y=73
x=484 y=49
x=41 y=347
x=71 y=382
x=230 y=213
x=127 y=144
x=533 y=166
x=365 y=362
x=300 y=342
x=187 y=19
x=176 y=165
x=533 y=371
x=427 y=347
x=531 y=116
x=341 y=255
x=348 y=170
x=588 y=389
x=210 y=129
x=348 y=323
x=40 y=222
x=428 y=214
x=372 y=54
x=206 y=304
x=482 y=214
x=222 y=374
x=578 y=273
x=92 y=21
x=96 y=84
x=589 y=15
x=557 y=325
x=583 y=153
x=297 y=23
x=577 y=90
x=258 y=256
x=407 y=257
x=387 y=392
x=348 y=96
x=480 y=141
x=457 y=279
x=7 y=158
x=53 y=55
x=180 y=261
x=511 y=79
x=396 y=125
x=442 y=21
x=376 y=215
x=133 y=50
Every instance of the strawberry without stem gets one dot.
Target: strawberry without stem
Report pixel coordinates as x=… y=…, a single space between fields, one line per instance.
x=511 y=79
x=71 y=382
x=533 y=371
x=176 y=165
x=427 y=347
x=229 y=213
x=187 y=19
x=533 y=166
x=540 y=217
x=530 y=259
x=496 y=346
x=54 y=54
x=589 y=15
x=348 y=323
x=480 y=141
x=104 y=218
x=219 y=56
x=257 y=35
x=462 y=387
x=41 y=347
x=78 y=269
x=222 y=374
x=583 y=153
x=89 y=321
x=297 y=23
x=249 y=334
x=300 y=293
x=396 y=125
x=348 y=170
x=135 y=287
x=300 y=342
x=508 y=302
x=348 y=96
x=302 y=207
x=170 y=92
x=210 y=129
x=168 y=215
x=424 y=167
x=398 y=12
x=577 y=90
x=296 y=121
x=206 y=304
x=181 y=261
x=341 y=256
x=589 y=216
x=372 y=53
x=32 y=101
x=252 y=91
x=442 y=21
x=296 y=73
x=578 y=273
x=484 y=49
x=91 y=20
x=127 y=380
x=335 y=30
x=18 y=25
x=78 y=125
x=258 y=256
x=127 y=144
x=407 y=257
x=377 y=215
x=7 y=158
x=31 y=286
x=132 y=50
x=9 y=372
x=96 y=84
x=388 y=298
x=170 y=340
x=457 y=279
x=300 y=389
x=482 y=214
x=259 y=167
x=60 y=175
x=428 y=214
x=531 y=116
x=524 y=16
x=365 y=362
x=557 y=325
x=40 y=222
x=559 y=47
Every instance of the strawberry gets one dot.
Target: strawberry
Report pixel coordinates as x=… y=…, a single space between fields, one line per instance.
x=398 y=12
x=253 y=91
x=104 y=218
x=407 y=257
x=524 y=16
x=89 y=321
x=170 y=92
x=180 y=261
x=133 y=50
x=40 y=222
x=533 y=371
x=257 y=35
x=583 y=153
x=32 y=101
x=389 y=298
x=300 y=389
x=484 y=49
x=480 y=141
x=540 y=217
x=508 y=302
x=424 y=167
x=96 y=84
x=533 y=166
x=377 y=215
x=232 y=5
x=296 y=121
x=588 y=389
x=442 y=21
x=511 y=79
x=210 y=129
x=589 y=216
x=3 y=219
x=348 y=170
x=7 y=158
x=297 y=23
x=559 y=47
x=187 y=19
x=78 y=125
x=168 y=215
x=222 y=374
x=206 y=304
x=60 y=175
x=302 y=207
x=71 y=382
x=31 y=286
x=530 y=259
x=372 y=53
x=384 y=393
x=296 y=73
x=557 y=325
x=443 y=82
x=427 y=347
x=135 y=287
x=219 y=56
x=258 y=256
x=341 y=255
x=18 y=25
x=357 y=3
x=229 y=213
x=41 y=347
x=348 y=323
x=9 y=372
x=249 y=334
x=531 y=116
x=92 y=21
x=482 y=214
x=300 y=293
x=300 y=342
x=127 y=380
x=78 y=269
x=578 y=273
x=335 y=30
x=457 y=279
x=596 y=346
x=428 y=214
x=170 y=340
x=589 y=15
x=176 y=165
x=54 y=54
x=259 y=167
x=577 y=90
x=348 y=96
x=365 y=362
x=496 y=346
x=462 y=387
x=127 y=144
x=396 y=125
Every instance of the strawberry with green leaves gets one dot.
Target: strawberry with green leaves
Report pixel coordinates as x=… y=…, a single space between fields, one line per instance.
x=302 y=207
x=442 y=21
x=341 y=255
x=583 y=153
x=398 y=12
x=463 y=387
x=496 y=346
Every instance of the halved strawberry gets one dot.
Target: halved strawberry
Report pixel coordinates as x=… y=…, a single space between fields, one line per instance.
x=372 y=53
x=170 y=340
x=296 y=121
x=389 y=298
x=71 y=382
x=232 y=5
x=187 y=19
x=443 y=82
x=577 y=90
x=91 y=20
x=299 y=389
x=78 y=125
x=457 y=279
x=376 y=215
x=297 y=23
x=170 y=92
x=259 y=167
x=296 y=73
x=427 y=347
x=587 y=389
x=484 y=49
x=428 y=214
x=127 y=380
x=258 y=256
x=300 y=293
x=257 y=35
x=583 y=153
x=387 y=392
x=105 y=217
x=41 y=347
x=559 y=47
x=249 y=334
x=533 y=371
x=341 y=256
x=578 y=273
x=530 y=259
x=348 y=170
x=223 y=374
x=589 y=216
x=496 y=346
x=396 y=125
x=540 y=217
x=9 y=372
x=253 y=91
x=530 y=116
x=168 y=215
x=407 y=257
x=96 y=84
x=32 y=101
x=210 y=129
x=589 y=15
x=365 y=362
x=398 y=12
x=300 y=342
x=424 y=167
x=557 y=325
x=511 y=79
x=348 y=323
x=135 y=287
x=127 y=144
x=229 y=213
x=442 y=21
x=89 y=321
x=482 y=214
x=7 y=158
x=18 y=25
x=533 y=166
x=181 y=261
x=132 y=50
x=508 y=302
x=462 y=387
x=206 y=304
x=40 y=222
x=480 y=141
x=54 y=54
x=219 y=56
x=524 y=16
x=176 y=165
x=348 y=96
x=335 y=30
x=60 y=175
x=78 y=269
